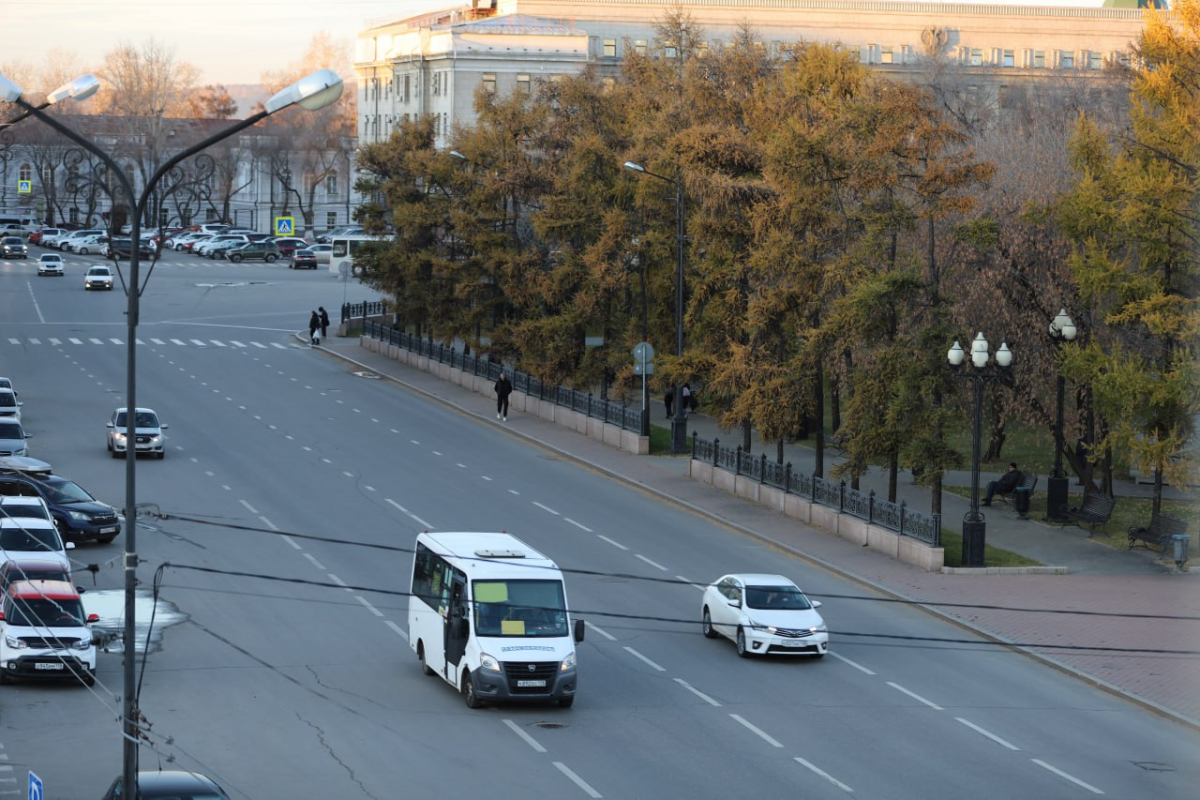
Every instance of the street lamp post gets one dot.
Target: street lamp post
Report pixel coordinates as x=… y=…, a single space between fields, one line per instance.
x=679 y=418
x=1062 y=329
x=974 y=526
x=312 y=92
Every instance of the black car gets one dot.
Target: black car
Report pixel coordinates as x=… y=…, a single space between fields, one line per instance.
x=79 y=516
x=303 y=259
x=175 y=785
x=252 y=251
x=13 y=247
x=120 y=248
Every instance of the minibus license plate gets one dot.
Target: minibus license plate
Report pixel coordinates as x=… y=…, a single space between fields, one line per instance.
x=530 y=684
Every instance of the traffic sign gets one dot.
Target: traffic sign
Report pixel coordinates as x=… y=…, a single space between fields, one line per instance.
x=24 y=187
x=285 y=226
x=643 y=369
x=35 y=787
x=643 y=351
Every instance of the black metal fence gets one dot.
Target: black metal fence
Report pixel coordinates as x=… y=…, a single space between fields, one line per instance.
x=627 y=418
x=864 y=505
x=372 y=308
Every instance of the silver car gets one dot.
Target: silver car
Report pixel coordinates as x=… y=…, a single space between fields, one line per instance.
x=147 y=432
x=98 y=277
x=12 y=439
x=50 y=264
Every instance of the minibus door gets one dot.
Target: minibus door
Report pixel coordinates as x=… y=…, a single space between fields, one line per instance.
x=457 y=623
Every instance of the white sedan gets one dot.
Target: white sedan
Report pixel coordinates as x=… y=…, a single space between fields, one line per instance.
x=50 y=264
x=764 y=614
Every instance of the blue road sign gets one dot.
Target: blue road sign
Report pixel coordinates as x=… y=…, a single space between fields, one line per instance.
x=35 y=787
x=285 y=226
x=24 y=187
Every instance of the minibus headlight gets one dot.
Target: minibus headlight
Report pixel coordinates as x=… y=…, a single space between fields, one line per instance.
x=488 y=662
x=568 y=663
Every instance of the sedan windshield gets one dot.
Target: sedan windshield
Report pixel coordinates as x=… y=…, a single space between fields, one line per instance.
x=520 y=608
x=7 y=400
x=29 y=540
x=141 y=420
x=784 y=598
x=46 y=612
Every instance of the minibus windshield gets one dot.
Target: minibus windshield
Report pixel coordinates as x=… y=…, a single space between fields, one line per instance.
x=529 y=608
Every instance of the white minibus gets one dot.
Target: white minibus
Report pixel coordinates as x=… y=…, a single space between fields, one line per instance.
x=341 y=256
x=489 y=614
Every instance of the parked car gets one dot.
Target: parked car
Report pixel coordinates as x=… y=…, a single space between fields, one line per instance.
x=6 y=383
x=75 y=236
x=98 y=277
x=344 y=230
x=44 y=633
x=33 y=538
x=180 y=240
x=205 y=248
x=31 y=569
x=14 y=229
x=191 y=245
x=303 y=259
x=97 y=243
x=120 y=248
x=10 y=406
x=763 y=614
x=147 y=431
x=78 y=515
x=24 y=506
x=169 y=785
x=214 y=227
x=218 y=250
x=50 y=264
x=12 y=439
x=49 y=236
x=253 y=251
x=323 y=252
x=288 y=244
x=35 y=237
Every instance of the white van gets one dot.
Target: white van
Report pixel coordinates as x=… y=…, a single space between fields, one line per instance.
x=489 y=614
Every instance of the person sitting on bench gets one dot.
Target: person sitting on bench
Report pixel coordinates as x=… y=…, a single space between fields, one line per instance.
x=1008 y=482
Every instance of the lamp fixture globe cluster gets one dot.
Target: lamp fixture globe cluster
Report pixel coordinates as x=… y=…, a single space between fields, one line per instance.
x=1063 y=328
x=979 y=353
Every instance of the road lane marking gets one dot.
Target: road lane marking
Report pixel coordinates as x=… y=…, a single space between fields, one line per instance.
x=1062 y=774
x=461 y=466
x=256 y=344
x=529 y=740
x=226 y=487
x=268 y=523
x=157 y=341
x=915 y=696
x=198 y=343
x=369 y=607
x=55 y=342
x=600 y=631
x=278 y=345
x=578 y=525
x=236 y=343
x=648 y=561
x=485 y=477
x=179 y=342
x=765 y=736
x=435 y=452
x=697 y=692
x=115 y=341
x=348 y=474
x=612 y=542
x=326 y=460
x=409 y=513
x=826 y=776
x=249 y=507
x=34 y=341
x=991 y=736
x=689 y=580
x=578 y=781
x=218 y=344
x=95 y=341
x=396 y=628
x=312 y=560
x=292 y=542
x=638 y=655
x=513 y=491
x=859 y=667
x=369 y=488
x=339 y=582
x=546 y=508
x=73 y=340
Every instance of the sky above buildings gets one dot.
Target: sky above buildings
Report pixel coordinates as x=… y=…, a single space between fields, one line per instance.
x=230 y=41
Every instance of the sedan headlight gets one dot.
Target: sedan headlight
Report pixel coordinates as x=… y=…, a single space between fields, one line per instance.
x=489 y=663
x=568 y=663
x=156 y=438
x=119 y=435
x=79 y=516
x=822 y=628
x=15 y=643
x=82 y=644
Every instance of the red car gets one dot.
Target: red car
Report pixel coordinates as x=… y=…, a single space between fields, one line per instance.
x=289 y=244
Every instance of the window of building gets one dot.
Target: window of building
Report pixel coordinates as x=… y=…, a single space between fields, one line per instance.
x=1095 y=60
x=669 y=50
x=639 y=46
x=436 y=89
x=73 y=215
x=886 y=56
x=330 y=219
x=702 y=48
x=1007 y=58
x=524 y=84
x=489 y=82
x=1039 y=59
x=610 y=48
x=976 y=59
x=25 y=173
x=1066 y=59
x=1123 y=59
x=331 y=181
x=406 y=89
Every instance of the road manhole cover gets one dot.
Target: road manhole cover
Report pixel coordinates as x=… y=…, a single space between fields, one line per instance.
x=550 y=726
x=371 y=376
x=1154 y=766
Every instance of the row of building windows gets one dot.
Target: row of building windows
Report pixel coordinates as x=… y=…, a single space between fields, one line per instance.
x=330 y=181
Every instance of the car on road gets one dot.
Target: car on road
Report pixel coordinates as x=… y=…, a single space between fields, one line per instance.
x=13 y=247
x=24 y=537
x=31 y=569
x=344 y=230
x=12 y=439
x=49 y=236
x=170 y=785
x=253 y=251
x=10 y=406
x=50 y=264
x=78 y=516
x=147 y=431
x=303 y=259
x=763 y=614
x=6 y=383
x=98 y=277
x=44 y=633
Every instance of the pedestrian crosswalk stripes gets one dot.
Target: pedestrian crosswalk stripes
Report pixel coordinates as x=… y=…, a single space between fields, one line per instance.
x=210 y=344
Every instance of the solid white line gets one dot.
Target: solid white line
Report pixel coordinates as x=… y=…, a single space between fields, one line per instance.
x=991 y=736
x=529 y=740
x=396 y=628
x=697 y=692
x=859 y=667
x=601 y=631
x=513 y=491
x=578 y=525
x=578 y=781
x=370 y=607
x=36 y=308
x=291 y=541
x=1062 y=774
x=915 y=696
x=198 y=342
x=612 y=542
x=338 y=581
x=249 y=507
x=689 y=580
x=648 y=561
x=314 y=561
x=765 y=736
x=636 y=654
x=268 y=523
x=485 y=477
x=546 y=508
x=409 y=513
x=826 y=776
x=115 y=341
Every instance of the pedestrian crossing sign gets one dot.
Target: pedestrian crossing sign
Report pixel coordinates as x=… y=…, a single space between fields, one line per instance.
x=285 y=226
x=24 y=187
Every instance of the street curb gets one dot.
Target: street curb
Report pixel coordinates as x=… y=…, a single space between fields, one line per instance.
x=815 y=560
x=1005 y=571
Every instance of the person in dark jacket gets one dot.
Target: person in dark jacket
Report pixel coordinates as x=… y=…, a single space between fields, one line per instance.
x=1007 y=484
x=314 y=324
x=503 y=390
x=324 y=322
x=669 y=401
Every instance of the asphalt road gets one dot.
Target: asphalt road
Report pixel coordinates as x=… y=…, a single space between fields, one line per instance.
x=306 y=686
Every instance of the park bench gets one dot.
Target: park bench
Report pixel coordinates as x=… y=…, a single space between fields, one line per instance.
x=1159 y=531
x=1028 y=483
x=1094 y=512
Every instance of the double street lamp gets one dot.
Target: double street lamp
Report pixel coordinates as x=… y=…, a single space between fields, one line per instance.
x=312 y=92
x=974 y=526
x=679 y=418
x=1062 y=329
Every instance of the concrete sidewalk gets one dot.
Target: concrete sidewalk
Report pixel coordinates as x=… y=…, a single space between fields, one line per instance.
x=1152 y=659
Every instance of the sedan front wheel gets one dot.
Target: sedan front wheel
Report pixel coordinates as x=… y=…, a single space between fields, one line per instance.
x=742 y=650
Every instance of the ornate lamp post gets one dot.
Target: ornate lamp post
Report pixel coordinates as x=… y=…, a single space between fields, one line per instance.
x=312 y=92
x=979 y=373
x=1062 y=329
x=679 y=419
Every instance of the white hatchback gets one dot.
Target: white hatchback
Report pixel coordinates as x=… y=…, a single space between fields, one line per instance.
x=763 y=614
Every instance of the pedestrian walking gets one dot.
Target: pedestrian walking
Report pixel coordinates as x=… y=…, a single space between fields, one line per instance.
x=503 y=389
x=314 y=324
x=324 y=322
x=669 y=401
x=685 y=400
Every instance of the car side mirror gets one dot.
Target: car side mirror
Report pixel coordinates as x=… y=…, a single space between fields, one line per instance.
x=579 y=628
x=735 y=603
x=816 y=603
x=164 y=426
x=81 y=590
x=29 y=436
x=110 y=424
x=93 y=617
x=70 y=545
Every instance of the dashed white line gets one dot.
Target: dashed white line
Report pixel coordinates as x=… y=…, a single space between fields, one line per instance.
x=210 y=473
x=369 y=607
x=613 y=542
x=73 y=340
x=409 y=513
x=55 y=342
x=348 y=474
x=278 y=346
x=915 y=696
x=236 y=343
x=435 y=452
x=858 y=667
x=291 y=541
x=338 y=581
x=374 y=420
x=400 y=631
x=529 y=740
x=638 y=655
x=513 y=491
x=697 y=692
x=546 y=508
x=312 y=560
x=1062 y=774
x=689 y=580
x=34 y=341
x=991 y=736
x=369 y=488
x=579 y=525
x=262 y=346
x=218 y=344
x=766 y=737
x=648 y=561
x=115 y=341
x=326 y=460
x=485 y=477
x=226 y=487
x=268 y=523
x=601 y=631
x=578 y=781
x=463 y=466
x=249 y=507
x=414 y=441
x=826 y=775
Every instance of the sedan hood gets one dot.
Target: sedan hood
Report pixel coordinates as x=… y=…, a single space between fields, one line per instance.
x=808 y=618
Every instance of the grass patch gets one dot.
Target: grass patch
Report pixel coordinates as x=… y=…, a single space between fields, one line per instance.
x=660 y=441
x=992 y=556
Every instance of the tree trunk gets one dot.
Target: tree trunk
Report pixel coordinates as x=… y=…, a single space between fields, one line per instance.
x=819 y=403
x=893 y=472
x=746 y=431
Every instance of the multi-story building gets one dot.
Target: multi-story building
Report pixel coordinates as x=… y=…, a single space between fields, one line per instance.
x=433 y=63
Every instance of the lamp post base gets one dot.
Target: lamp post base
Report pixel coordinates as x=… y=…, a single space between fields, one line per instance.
x=679 y=442
x=973 y=536
x=1056 y=498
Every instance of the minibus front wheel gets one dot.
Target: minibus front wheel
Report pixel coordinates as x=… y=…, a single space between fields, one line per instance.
x=468 y=691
